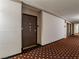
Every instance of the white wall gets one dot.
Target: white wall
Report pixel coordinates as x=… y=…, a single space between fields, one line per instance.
x=75 y=28
x=10 y=28
x=78 y=28
x=53 y=28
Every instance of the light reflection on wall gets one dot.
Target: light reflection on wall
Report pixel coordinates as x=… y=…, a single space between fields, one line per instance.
x=2 y=6
x=10 y=28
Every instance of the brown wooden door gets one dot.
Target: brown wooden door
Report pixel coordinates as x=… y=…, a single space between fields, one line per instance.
x=29 y=30
x=68 y=29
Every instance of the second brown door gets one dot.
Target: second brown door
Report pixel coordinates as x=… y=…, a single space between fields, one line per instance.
x=68 y=29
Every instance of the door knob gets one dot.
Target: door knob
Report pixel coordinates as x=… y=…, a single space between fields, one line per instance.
x=21 y=28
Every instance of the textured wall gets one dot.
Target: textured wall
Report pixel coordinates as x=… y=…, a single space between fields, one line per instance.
x=52 y=28
x=10 y=28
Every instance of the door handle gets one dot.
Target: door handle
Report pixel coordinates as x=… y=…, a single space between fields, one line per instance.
x=21 y=28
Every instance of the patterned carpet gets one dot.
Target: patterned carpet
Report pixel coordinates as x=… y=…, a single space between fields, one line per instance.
x=64 y=49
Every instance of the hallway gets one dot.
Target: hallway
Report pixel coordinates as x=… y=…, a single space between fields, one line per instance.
x=67 y=48
x=48 y=27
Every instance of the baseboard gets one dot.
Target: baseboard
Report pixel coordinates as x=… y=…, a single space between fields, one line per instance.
x=28 y=49
x=53 y=42
x=10 y=56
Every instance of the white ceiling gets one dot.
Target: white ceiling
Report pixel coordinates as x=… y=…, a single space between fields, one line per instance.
x=67 y=9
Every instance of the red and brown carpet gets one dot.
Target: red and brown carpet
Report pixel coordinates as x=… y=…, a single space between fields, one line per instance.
x=64 y=49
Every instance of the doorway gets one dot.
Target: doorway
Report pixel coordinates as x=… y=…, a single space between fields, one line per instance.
x=29 y=31
x=69 y=30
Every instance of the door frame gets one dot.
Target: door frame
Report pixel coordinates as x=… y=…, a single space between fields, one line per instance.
x=22 y=30
x=69 y=28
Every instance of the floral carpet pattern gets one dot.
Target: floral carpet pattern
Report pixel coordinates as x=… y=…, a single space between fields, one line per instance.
x=67 y=48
